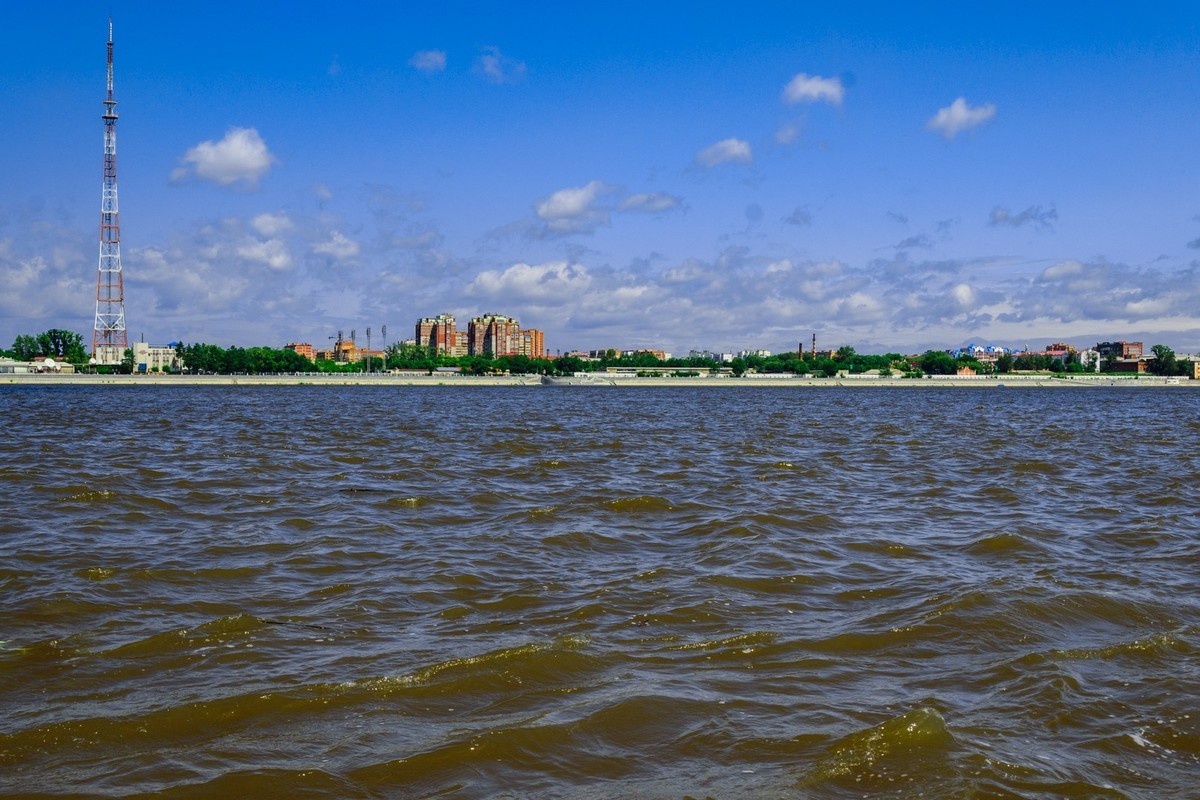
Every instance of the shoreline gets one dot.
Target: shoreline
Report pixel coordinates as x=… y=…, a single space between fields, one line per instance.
x=602 y=381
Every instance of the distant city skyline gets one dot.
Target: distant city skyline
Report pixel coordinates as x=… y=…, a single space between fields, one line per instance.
x=896 y=178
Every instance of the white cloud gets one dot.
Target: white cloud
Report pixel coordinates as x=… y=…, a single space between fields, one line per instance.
x=555 y=283
x=272 y=224
x=428 y=60
x=241 y=157
x=963 y=295
x=958 y=117
x=339 y=247
x=813 y=88
x=566 y=203
x=499 y=68
x=271 y=252
x=572 y=210
x=581 y=210
x=735 y=151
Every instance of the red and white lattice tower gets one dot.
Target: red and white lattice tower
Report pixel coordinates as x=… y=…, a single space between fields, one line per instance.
x=108 y=337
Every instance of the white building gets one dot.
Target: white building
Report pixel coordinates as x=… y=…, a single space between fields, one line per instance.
x=156 y=358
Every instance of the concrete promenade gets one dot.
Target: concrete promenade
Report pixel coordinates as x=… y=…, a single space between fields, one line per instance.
x=601 y=381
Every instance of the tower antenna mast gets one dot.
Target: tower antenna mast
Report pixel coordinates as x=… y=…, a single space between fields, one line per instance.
x=108 y=336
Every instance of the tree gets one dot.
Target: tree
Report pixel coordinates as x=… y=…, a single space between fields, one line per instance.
x=566 y=365
x=938 y=362
x=827 y=366
x=1004 y=363
x=1164 y=362
x=62 y=345
x=25 y=348
x=738 y=365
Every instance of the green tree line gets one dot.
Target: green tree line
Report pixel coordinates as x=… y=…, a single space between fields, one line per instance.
x=211 y=358
x=56 y=343
x=68 y=346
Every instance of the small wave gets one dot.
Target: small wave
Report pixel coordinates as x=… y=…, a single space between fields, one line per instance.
x=407 y=502
x=475 y=671
x=96 y=573
x=268 y=783
x=743 y=643
x=1008 y=542
x=583 y=542
x=640 y=504
x=1159 y=645
x=912 y=744
x=1035 y=467
x=91 y=496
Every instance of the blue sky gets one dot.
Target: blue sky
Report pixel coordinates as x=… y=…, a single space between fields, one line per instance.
x=713 y=176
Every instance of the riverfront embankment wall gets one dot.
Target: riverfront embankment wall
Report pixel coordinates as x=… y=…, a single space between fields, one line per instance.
x=601 y=380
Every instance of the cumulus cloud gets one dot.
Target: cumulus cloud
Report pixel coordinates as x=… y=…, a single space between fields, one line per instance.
x=813 y=88
x=240 y=158
x=1112 y=294
x=499 y=68
x=584 y=209
x=272 y=224
x=1063 y=270
x=574 y=210
x=959 y=116
x=428 y=60
x=555 y=283
x=338 y=246
x=732 y=151
x=1042 y=219
x=271 y=252
x=572 y=202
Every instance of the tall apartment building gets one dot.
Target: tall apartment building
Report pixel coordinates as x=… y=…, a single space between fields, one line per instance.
x=491 y=335
x=494 y=335
x=533 y=343
x=438 y=332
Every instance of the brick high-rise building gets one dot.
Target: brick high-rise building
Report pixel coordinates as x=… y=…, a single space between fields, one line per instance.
x=533 y=343
x=494 y=335
x=438 y=332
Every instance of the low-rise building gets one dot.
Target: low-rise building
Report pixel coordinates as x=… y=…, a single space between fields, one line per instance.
x=1121 y=349
x=303 y=349
x=156 y=357
x=1136 y=366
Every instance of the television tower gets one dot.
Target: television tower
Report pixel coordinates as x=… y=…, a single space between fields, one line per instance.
x=108 y=337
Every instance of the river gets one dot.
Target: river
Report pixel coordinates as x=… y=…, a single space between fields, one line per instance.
x=498 y=592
